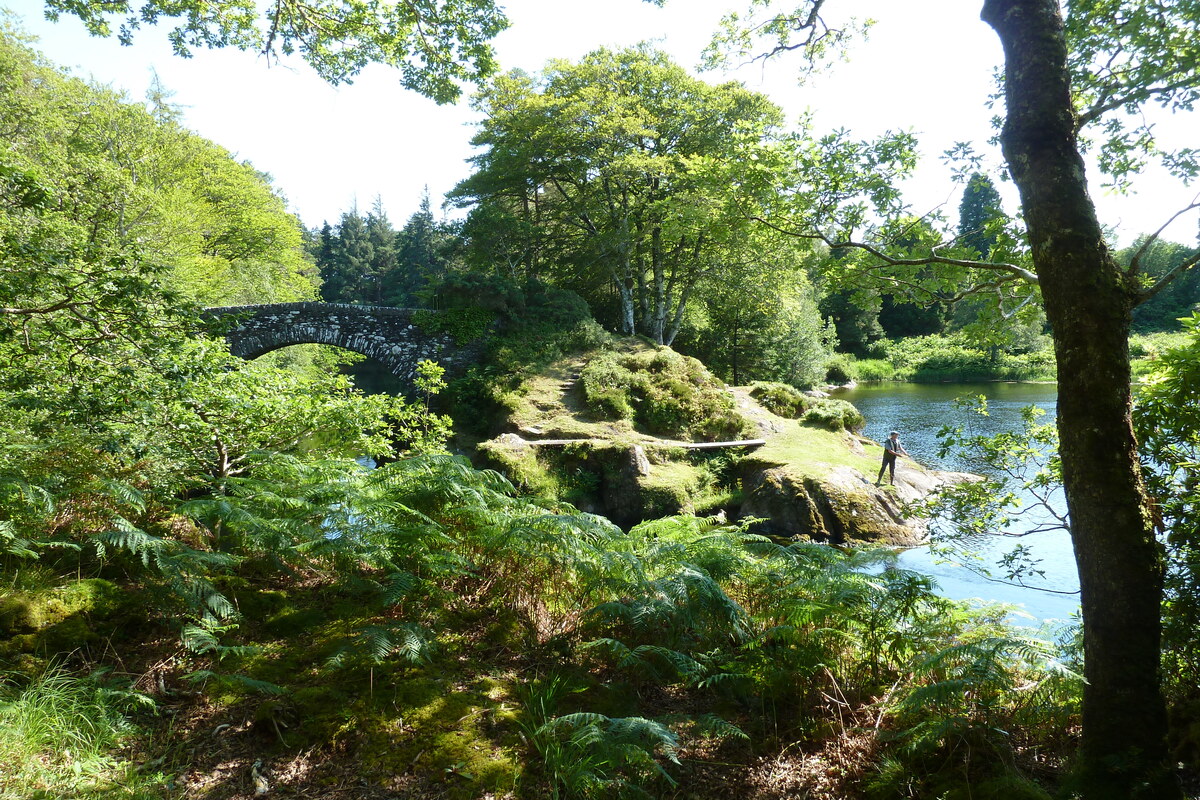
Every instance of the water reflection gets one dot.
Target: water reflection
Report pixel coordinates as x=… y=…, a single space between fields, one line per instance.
x=919 y=411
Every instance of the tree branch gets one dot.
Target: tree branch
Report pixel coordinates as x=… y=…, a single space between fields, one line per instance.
x=1135 y=264
x=994 y=266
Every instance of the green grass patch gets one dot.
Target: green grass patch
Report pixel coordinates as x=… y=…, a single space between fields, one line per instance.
x=811 y=451
x=61 y=735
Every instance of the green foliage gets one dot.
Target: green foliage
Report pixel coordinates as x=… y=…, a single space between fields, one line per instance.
x=662 y=392
x=589 y=755
x=956 y=718
x=621 y=173
x=957 y=358
x=761 y=322
x=839 y=370
x=980 y=214
x=61 y=735
x=855 y=317
x=538 y=325
x=363 y=259
x=1019 y=463
x=834 y=415
x=1162 y=73
x=873 y=369
x=1178 y=299
x=434 y=48
x=463 y=325
x=108 y=197
x=780 y=399
x=1165 y=418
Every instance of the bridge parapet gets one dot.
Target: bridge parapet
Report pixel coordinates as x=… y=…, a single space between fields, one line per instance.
x=386 y=334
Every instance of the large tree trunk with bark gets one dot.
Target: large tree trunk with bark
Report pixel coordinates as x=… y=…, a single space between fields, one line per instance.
x=1088 y=301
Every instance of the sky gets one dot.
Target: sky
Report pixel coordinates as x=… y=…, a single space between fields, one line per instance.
x=927 y=66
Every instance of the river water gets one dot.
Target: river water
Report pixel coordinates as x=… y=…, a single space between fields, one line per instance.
x=918 y=411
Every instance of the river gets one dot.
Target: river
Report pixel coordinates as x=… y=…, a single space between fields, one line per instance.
x=918 y=411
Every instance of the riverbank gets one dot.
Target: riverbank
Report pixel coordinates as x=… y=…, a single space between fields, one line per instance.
x=956 y=359
x=919 y=411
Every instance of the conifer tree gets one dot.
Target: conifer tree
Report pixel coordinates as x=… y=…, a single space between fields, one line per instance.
x=979 y=208
x=418 y=262
x=382 y=239
x=349 y=276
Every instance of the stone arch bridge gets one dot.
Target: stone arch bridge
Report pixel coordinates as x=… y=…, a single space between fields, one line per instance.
x=385 y=334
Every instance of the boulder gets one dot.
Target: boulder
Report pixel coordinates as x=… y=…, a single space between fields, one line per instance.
x=840 y=505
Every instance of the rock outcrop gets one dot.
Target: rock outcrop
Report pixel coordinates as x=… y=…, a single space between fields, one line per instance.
x=839 y=505
x=804 y=477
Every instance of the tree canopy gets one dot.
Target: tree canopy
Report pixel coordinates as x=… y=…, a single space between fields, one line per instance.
x=624 y=174
x=435 y=45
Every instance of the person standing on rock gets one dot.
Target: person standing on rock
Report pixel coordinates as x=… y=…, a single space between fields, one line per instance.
x=891 y=449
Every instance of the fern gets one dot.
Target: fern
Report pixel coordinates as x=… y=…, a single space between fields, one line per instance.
x=236 y=682
x=203 y=639
x=13 y=545
x=406 y=641
x=123 y=493
x=648 y=661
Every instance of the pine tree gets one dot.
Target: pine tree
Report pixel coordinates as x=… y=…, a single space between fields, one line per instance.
x=352 y=261
x=980 y=207
x=384 y=259
x=419 y=262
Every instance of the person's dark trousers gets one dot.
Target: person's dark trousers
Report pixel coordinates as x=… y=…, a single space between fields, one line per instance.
x=889 y=463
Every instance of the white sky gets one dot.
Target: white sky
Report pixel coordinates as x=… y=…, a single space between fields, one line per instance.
x=926 y=67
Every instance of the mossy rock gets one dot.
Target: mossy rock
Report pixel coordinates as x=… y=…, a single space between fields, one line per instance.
x=61 y=618
x=289 y=621
x=662 y=392
x=669 y=489
x=464 y=737
x=834 y=415
x=837 y=507
x=516 y=460
x=28 y=612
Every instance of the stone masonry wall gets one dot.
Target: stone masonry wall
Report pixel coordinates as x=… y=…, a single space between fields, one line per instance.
x=385 y=334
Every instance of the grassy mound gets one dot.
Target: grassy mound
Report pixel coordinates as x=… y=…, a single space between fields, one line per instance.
x=662 y=393
x=789 y=402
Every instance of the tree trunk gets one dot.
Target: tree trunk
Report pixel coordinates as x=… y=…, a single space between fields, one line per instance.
x=623 y=281
x=658 y=319
x=1088 y=303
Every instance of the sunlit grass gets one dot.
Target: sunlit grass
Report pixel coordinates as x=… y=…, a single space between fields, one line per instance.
x=61 y=736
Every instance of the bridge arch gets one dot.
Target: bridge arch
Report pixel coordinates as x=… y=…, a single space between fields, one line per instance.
x=385 y=334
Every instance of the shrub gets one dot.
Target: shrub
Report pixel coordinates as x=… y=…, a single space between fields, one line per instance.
x=780 y=399
x=463 y=325
x=957 y=358
x=836 y=415
x=584 y=336
x=874 y=369
x=663 y=392
x=839 y=370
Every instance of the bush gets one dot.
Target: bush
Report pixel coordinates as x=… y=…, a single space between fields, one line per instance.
x=780 y=399
x=840 y=370
x=663 y=392
x=835 y=415
x=957 y=358
x=584 y=336
x=874 y=369
x=463 y=325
